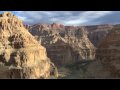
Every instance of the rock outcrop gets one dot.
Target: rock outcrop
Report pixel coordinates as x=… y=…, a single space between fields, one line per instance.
x=108 y=52
x=64 y=44
x=20 y=52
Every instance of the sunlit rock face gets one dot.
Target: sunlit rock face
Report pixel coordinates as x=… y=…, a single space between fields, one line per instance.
x=64 y=44
x=20 y=52
x=108 y=52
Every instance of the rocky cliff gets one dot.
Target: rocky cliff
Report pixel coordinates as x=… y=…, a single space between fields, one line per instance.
x=20 y=52
x=108 y=52
x=64 y=44
x=98 y=32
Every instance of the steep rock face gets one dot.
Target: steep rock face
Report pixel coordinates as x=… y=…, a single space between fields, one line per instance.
x=78 y=40
x=19 y=50
x=98 y=32
x=60 y=52
x=57 y=48
x=108 y=52
x=64 y=44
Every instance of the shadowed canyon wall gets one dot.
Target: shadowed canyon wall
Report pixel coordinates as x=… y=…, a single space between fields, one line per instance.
x=108 y=52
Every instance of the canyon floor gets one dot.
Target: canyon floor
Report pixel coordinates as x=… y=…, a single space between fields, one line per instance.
x=89 y=69
x=75 y=70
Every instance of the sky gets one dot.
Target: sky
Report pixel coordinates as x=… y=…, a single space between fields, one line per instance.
x=69 y=17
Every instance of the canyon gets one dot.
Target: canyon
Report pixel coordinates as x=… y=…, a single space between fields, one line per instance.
x=51 y=51
x=70 y=45
x=95 y=33
x=64 y=44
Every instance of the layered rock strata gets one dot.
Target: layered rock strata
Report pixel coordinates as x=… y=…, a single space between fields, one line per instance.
x=108 y=52
x=64 y=44
x=20 y=52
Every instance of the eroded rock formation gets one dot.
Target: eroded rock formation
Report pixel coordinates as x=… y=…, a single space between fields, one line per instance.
x=24 y=56
x=64 y=44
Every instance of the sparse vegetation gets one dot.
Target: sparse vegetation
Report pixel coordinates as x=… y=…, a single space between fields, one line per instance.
x=75 y=70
